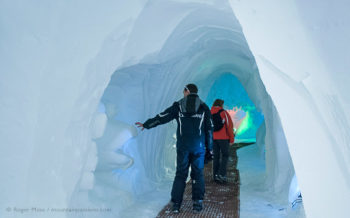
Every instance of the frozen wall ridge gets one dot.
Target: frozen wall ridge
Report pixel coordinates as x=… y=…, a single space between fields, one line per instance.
x=295 y=78
x=51 y=74
x=48 y=48
x=303 y=92
x=303 y=56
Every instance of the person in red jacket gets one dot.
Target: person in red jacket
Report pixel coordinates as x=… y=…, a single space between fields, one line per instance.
x=223 y=137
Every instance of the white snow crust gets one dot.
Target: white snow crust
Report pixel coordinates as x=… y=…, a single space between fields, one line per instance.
x=76 y=75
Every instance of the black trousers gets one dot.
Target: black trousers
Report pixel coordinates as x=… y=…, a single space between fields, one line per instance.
x=220 y=149
x=184 y=160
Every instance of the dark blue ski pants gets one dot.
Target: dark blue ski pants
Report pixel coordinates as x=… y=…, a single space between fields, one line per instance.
x=184 y=160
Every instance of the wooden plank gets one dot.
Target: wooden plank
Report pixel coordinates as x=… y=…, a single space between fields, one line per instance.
x=221 y=200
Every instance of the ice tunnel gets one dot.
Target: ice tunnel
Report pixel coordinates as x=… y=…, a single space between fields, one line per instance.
x=77 y=75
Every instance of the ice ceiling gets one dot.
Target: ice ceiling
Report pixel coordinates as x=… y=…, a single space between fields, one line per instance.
x=64 y=60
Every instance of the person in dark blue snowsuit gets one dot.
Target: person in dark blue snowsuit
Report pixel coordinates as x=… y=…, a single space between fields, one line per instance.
x=194 y=138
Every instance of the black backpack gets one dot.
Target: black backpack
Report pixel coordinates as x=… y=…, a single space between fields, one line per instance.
x=217 y=121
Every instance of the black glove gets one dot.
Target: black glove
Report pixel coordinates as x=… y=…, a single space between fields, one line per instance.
x=208 y=156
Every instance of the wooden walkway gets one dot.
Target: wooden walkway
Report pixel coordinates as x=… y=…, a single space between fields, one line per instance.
x=221 y=200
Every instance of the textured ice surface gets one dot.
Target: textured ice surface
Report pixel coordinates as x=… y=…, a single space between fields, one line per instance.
x=297 y=46
x=256 y=200
x=60 y=60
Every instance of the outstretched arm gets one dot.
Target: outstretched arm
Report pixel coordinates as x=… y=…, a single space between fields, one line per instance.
x=162 y=118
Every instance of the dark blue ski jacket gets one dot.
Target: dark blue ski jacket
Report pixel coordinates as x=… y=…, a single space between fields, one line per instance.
x=195 y=126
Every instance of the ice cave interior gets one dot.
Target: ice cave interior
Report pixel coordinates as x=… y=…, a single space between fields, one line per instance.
x=77 y=75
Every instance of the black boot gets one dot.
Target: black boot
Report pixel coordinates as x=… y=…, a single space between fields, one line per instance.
x=217 y=179
x=176 y=208
x=223 y=179
x=197 y=206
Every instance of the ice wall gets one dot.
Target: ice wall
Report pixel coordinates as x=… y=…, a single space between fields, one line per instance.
x=50 y=88
x=58 y=58
x=301 y=50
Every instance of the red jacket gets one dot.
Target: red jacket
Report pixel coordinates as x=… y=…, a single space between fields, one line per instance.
x=227 y=131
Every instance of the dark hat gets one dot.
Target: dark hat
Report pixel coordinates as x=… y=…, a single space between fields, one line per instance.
x=218 y=102
x=192 y=88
